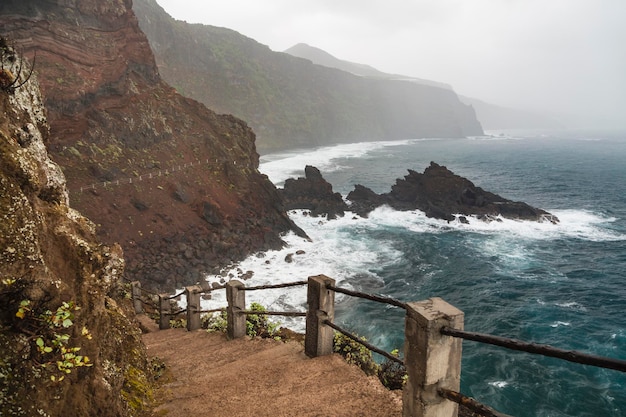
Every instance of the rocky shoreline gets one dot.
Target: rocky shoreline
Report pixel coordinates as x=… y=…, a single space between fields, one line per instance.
x=438 y=192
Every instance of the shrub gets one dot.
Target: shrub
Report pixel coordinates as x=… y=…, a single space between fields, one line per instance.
x=256 y=324
x=392 y=374
x=355 y=353
x=214 y=322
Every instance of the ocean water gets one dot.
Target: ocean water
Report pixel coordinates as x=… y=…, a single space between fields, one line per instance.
x=563 y=285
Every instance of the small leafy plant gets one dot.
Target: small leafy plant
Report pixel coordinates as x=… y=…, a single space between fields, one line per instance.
x=215 y=322
x=392 y=374
x=52 y=339
x=355 y=353
x=256 y=324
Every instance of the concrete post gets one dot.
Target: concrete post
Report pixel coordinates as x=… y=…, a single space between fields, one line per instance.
x=164 y=311
x=136 y=292
x=193 y=307
x=432 y=360
x=235 y=321
x=318 y=340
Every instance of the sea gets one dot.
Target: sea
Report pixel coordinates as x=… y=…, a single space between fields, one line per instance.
x=562 y=285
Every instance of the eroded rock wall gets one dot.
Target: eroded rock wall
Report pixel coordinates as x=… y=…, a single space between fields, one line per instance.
x=49 y=256
x=174 y=183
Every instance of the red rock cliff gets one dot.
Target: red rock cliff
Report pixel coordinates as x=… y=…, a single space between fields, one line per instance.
x=176 y=184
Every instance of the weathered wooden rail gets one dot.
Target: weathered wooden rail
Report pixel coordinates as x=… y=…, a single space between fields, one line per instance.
x=432 y=348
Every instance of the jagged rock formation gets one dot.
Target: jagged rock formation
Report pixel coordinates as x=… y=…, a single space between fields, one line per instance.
x=175 y=184
x=441 y=194
x=49 y=256
x=288 y=101
x=313 y=193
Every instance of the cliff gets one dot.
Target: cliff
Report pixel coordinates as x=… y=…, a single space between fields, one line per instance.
x=67 y=346
x=498 y=117
x=289 y=101
x=174 y=183
x=490 y=116
x=320 y=57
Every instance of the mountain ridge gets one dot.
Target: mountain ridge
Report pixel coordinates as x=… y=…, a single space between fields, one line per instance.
x=290 y=102
x=320 y=57
x=491 y=116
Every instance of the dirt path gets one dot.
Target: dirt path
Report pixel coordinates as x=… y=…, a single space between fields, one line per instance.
x=260 y=377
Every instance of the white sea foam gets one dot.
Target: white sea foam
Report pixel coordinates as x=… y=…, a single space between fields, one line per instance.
x=335 y=250
x=560 y=323
x=343 y=250
x=573 y=305
x=499 y=384
x=573 y=224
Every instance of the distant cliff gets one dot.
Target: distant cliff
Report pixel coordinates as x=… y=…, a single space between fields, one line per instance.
x=498 y=117
x=321 y=57
x=288 y=101
x=491 y=116
x=174 y=183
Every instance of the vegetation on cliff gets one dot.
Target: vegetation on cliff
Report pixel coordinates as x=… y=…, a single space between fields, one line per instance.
x=67 y=344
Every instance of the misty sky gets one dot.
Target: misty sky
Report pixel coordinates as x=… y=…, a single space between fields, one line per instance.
x=565 y=57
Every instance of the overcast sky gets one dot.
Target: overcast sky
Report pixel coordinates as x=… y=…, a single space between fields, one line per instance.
x=566 y=57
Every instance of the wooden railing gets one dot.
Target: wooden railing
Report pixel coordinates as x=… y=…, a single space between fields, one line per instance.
x=432 y=348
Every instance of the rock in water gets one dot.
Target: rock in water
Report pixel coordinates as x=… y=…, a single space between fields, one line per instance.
x=441 y=194
x=313 y=193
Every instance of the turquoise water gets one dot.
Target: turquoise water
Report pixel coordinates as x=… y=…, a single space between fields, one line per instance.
x=562 y=285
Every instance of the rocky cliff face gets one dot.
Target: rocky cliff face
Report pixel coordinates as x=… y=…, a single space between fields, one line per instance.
x=289 y=101
x=174 y=183
x=67 y=345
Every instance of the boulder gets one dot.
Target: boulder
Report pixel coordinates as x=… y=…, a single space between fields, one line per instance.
x=313 y=193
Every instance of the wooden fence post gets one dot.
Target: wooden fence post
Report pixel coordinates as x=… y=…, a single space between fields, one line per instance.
x=164 y=311
x=136 y=294
x=432 y=360
x=193 y=307
x=318 y=340
x=235 y=321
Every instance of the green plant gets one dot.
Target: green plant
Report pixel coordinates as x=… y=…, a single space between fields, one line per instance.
x=258 y=325
x=51 y=338
x=215 y=322
x=137 y=391
x=392 y=374
x=355 y=353
x=178 y=322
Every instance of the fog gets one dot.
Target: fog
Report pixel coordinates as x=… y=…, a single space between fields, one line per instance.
x=564 y=58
